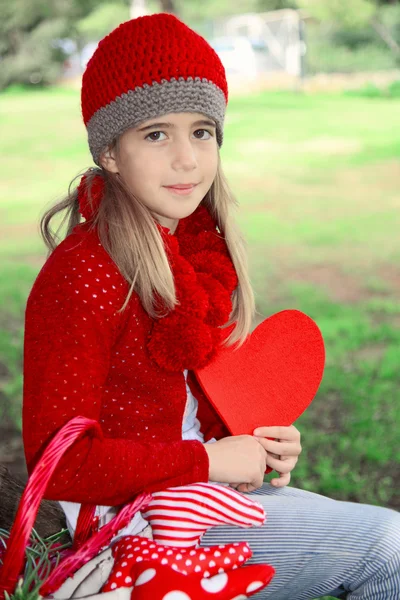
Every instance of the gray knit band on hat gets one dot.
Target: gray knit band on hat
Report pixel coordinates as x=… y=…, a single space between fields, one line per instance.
x=150 y=101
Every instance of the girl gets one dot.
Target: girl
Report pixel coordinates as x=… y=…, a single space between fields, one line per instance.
x=143 y=293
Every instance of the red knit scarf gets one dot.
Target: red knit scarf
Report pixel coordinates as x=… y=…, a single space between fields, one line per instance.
x=188 y=336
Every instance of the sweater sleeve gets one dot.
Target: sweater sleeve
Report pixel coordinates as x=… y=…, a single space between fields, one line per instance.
x=71 y=324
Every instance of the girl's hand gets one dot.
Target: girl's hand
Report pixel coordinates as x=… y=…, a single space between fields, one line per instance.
x=237 y=458
x=282 y=452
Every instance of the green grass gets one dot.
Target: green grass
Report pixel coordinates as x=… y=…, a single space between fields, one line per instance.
x=41 y=557
x=317 y=181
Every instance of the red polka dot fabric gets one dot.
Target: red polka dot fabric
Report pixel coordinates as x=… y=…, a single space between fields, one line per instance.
x=161 y=573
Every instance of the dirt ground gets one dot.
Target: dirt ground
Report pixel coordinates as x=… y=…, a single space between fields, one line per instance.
x=12 y=452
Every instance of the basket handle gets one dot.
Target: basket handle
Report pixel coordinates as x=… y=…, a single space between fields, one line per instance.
x=85 y=525
x=93 y=545
x=29 y=506
x=32 y=496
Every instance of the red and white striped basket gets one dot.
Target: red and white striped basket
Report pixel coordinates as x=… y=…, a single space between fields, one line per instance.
x=86 y=543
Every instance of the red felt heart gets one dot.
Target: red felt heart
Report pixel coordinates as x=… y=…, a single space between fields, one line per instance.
x=272 y=378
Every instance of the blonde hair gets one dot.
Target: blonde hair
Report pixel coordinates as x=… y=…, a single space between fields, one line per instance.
x=127 y=230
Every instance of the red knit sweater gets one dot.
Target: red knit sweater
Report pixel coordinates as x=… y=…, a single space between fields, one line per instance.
x=81 y=357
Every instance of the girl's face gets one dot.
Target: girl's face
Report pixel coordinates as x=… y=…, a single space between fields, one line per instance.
x=175 y=149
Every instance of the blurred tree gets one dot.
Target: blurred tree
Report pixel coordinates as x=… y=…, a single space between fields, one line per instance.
x=34 y=33
x=26 y=32
x=267 y=5
x=354 y=14
x=387 y=24
x=210 y=9
x=103 y=19
x=30 y=31
x=359 y=22
x=168 y=6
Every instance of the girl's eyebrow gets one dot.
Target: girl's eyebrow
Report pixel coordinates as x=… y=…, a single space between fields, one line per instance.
x=168 y=125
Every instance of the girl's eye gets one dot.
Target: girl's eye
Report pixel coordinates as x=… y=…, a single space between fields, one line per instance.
x=153 y=133
x=157 y=133
x=206 y=131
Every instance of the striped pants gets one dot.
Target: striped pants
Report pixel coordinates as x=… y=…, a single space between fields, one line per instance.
x=320 y=546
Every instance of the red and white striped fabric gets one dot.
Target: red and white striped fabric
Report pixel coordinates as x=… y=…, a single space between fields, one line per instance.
x=180 y=516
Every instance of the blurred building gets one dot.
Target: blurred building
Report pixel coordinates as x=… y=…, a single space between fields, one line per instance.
x=262 y=45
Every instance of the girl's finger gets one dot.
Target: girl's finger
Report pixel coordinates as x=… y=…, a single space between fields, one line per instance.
x=246 y=488
x=275 y=455
x=281 y=466
x=289 y=434
x=284 y=479
x=235 y=486
x=281 y=448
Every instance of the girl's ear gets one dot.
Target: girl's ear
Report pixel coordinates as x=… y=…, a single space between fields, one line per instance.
x=108 y=161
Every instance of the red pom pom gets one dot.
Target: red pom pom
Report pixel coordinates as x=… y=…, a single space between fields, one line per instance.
x=171 y=245
x=193 y=299
x=218 y=266
x=200 y=220
x=205 y=240
x=87 y=207
x=189 y=336
x=220 y=306
x=179 y=342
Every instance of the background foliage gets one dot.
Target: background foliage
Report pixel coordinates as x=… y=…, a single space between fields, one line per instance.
x=341 y=35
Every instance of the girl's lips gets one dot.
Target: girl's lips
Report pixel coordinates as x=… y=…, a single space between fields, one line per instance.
x=182 y=191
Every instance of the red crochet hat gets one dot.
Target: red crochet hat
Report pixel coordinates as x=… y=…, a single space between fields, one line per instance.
x=147 y=67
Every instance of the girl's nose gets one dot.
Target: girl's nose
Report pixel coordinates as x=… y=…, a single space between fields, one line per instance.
x=184 y=156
